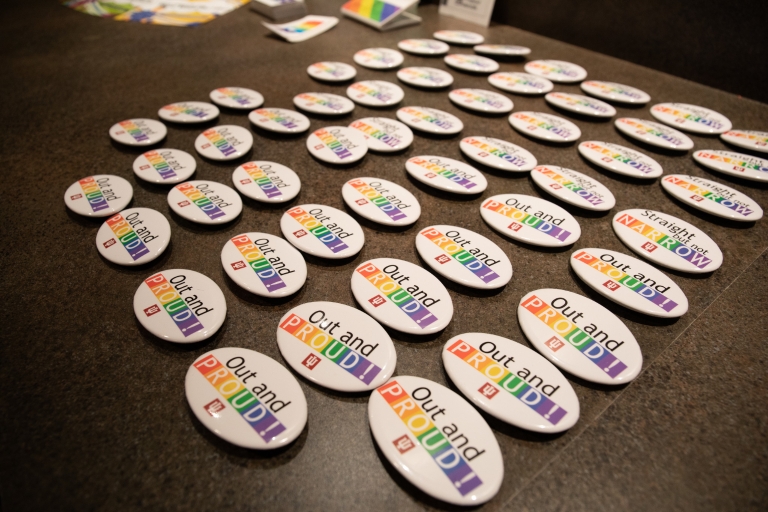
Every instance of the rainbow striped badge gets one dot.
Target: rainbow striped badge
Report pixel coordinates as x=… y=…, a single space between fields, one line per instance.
x=378 y=11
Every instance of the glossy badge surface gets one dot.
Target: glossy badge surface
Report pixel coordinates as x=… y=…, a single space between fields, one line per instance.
x=100 y=195
x=188 y=112
x=205 y=202
x=375 y=93
x=164 y=165
x=430 y=78
x=520 y=83
x=620 y=159
x=691 y=118
x=267 y=182
x=498 y=154
x=134 y=236
x=734 y=164
x=508 y=50
x=556 y=70
x=279 y=120
x=336 y=346
x=322 y=231
x=381 y=201
x=337 y=145
x=481 y=100
x=180 y=305
x=630 y=282
x=138 y=132
x=323 y=103
x=580 y=336
x=471 y=63
x=436 y=440
x=331 y=71
x=544 y=126
x=667 y=241
x=378 y=58
x=264 y=264
x=747 y=139
x=573 y=187
x=226 y=142
x=531 y=220
x=579 y=104
x=384 y=134
x=446 y=174
x=511 y=382
x=612 y=91
x=464 y=257
x=430 y=120
x=423 y=46
x=459 y=37
x=712 y=197
x=237 y=97
x=402 y=296
x=655 y=134
x=246 y=398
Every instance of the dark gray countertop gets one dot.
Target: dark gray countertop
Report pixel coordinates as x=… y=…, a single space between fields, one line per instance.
x=93 y=408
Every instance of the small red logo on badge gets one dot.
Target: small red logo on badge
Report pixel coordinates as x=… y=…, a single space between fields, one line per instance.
x=214 y=408
x=697 y=198
x=515 y=226
x=611 y=285
x=143 y=167
x=648 y=246
x=361 y=202
x=238 y=265
x=488 y=390
x=430 y=175
x=311 y=361
x=554 y=344
x=483 y=154
x=318 y=147
x=377 y=301
x=151 y=310
x=300 y=233
x=109 y=243
x=184 y=203
x=245 y=182
x=76 y=196
x=443 y=258
x=403 y=443
x=556 y=186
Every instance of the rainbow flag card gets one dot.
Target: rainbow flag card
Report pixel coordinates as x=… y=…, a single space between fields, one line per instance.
x=304 y=28
x=383 y=14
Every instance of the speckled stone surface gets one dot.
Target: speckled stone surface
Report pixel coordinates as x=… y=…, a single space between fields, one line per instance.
x=93 y=408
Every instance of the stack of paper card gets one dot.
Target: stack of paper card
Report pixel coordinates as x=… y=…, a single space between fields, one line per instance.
x=280 y=9
x=303 y=29
x=383 y=14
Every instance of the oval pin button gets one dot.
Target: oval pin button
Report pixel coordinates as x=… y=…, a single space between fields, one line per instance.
x=544 y=126
x=471 y=63
x=556 y=70
x=323 y=103
x=279 y=120
x=100 y=195
x=508 y=50
x=462 y=37
x=620 y=159
x=322 y=231
x=226 y=142
x=734 y=164
x=426 y=77
x=573 y=187
x=164 y=165
x=337 y=145
x=580 y=104
x=446 y=174
x=375 y=93
x=481 y=100
x=691 y=118
x=134 y=236
x=331 y=71
x=498 y=154
x=712 y=197
x=188 y=112
x=531 y=220
x=138 y=132
x=378 y=58
x=423 y=46
x=612 y=91
x=205 y=202
x=267 y=182
x=383 y=134
x=520 y=83
x=238 y=98
x=655 y=134
x=381 y=201
x=430 y=120
x=747 y=139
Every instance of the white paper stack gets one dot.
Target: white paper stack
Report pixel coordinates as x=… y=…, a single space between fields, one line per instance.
x=279 y=10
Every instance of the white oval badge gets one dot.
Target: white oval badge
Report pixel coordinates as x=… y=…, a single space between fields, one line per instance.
x=237 y=97
x=336 y=346
x=436 y=440
x=179 y=305
x=430 y=78
x=620 y=159
x=580 y=336
x=279 y=120
x=384 y=134
x=544 y=126
x=531 y=220
x=430 y=120
x=134 y=236
x=402 y=296
x=164 y=165
x=226 y=142
x=630 y=282
x=691 y=118
x=189 y=112
x=268 y=182
x=138 y=132
x=464 y=257
x=205 y=202
x=375 y=93
x=580 y=104
x=381 y=201
x=322 y=231
x=520 y=83
x=667 y=241
x=337 y=145
x=655 y=134
x=423 y=46
x=747 y=139
x=323 y=103
x=446 y=174
x=712 y=197
x=462 y=37
x=498 y=154
x=557 y=70
x=331 y=71
x=246 y=398
x=100 y=195
x=481 y=100
x=573 y=187
x=511 y=382
x=471 y=63
x=734 y=164
x=508 y=50
x=378 y=58
x=612 y=91
x=264 y=264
